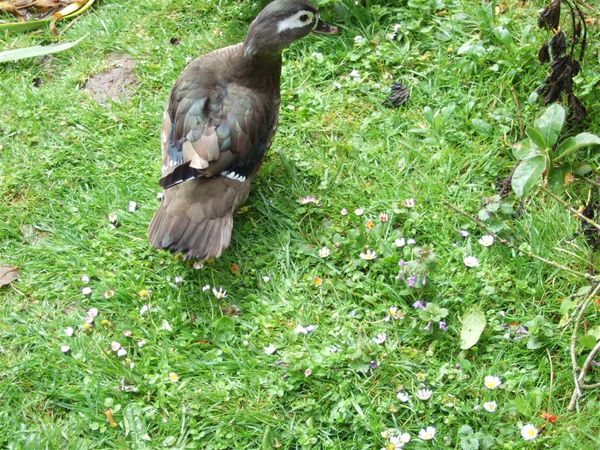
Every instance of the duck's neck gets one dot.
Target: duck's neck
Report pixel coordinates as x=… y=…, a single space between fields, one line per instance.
x=263 y=69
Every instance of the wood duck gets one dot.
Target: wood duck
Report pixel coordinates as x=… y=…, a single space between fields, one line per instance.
x=218 y=124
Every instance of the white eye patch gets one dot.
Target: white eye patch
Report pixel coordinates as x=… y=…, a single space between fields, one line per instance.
x=298 y=20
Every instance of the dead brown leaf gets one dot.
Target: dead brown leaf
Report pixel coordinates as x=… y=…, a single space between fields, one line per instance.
x=8 y=274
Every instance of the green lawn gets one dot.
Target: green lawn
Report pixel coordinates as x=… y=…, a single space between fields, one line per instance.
x=200 y=372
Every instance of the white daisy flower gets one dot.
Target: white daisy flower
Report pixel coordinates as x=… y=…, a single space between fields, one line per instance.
x=220 y=294
x=85 y=279
x=409 y=202
x=471 y=261
x=173 y=377
x=344 y=212
x=270 y=349
x=115 y=346
x=410 y=241
x=266 y=279
x=529 y=432
x=380 y=338
x=424 y=394
x=486 y=240
x=305 y=330
x=178 y=280
x=355 y=75
x=308 y=372
x=427 y=434
x=359 y=39
x=359 y=211
x=86 y=291
x=198 y=265
x=144 y=309
x=121 y=353
x=165 y=326
x=400 y=242
x=324 y=252
x=490 y=406
x=402 y=396
x=368 y=255
x=92 y=312
x=492 y=382
x=65 y=349
x=69 y=331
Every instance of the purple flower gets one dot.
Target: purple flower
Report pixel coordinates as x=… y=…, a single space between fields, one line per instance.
x=373 y=365
x=401 y=263
x=464 y=233
x=410 y=282
x=419 y=304
x=443 y=326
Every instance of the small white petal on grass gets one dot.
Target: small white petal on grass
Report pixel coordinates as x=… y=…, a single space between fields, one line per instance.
x=486 y=240
x=333 y=349
x=344 y=212
x=85 y=279
x=220 y=294
x=141 y=343
x=198 y=265
x=131 y=206
x=127 y=333
x=308 y=372
x=409 y=202
x=424 y=394
x=121 y=352
x=173 y=377
x=402 y=396
x=464 y=233
x=324 y=252
x=178 y=280
x=65 y=348
x=115 y=346
x=427 y=434
x=269 y=350
x=144 y=309
x=160 y=195
x=69 y=331
x=380 y=338
x=359 y=39
x=490 y=406
x=110 y=293
x=368 y=255
x=529 y=432
x=305 y=330
x=400 y=242
x=166 y=326
x=492 y=381
x=92 y=312
x=206 y=287
x=112 y=218
x=355 y=75
x=359 y=211
x=410 y=241
x=266 y=279
x=308 y=199
x=470 y=261
x=86 y=291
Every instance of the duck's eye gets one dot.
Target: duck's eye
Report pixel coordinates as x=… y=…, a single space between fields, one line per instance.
x=304 y=18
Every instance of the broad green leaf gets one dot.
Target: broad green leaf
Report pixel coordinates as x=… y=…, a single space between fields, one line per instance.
x=135 y=425
x=525 y=149
x=528 y=173
x=574 y=143
x=537 y=140
x=473 y=324
x=267 y=439
x=38 y=50
x=559 y=178
x=549 y=124
x=224 y=329
x=587 y=341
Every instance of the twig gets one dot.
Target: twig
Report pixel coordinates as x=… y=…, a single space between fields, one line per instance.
x=570 y=208
x=518 y=106
x=577 y=378
x=551 y=380
x=514 y=247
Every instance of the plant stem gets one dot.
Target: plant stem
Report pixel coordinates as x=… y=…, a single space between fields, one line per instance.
x=514 y=247
x=570 y=208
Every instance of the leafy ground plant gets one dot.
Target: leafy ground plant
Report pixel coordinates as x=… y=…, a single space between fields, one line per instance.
x=543 y=158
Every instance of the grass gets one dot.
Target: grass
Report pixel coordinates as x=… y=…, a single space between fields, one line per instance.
x=67 y=162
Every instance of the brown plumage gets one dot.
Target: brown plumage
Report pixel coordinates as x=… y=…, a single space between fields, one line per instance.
x=218 y=124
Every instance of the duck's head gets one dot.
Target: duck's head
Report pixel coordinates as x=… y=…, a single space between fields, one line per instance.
x=280 y=23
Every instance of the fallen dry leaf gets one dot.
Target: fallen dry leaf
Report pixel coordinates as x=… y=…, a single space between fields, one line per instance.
x=8 y=274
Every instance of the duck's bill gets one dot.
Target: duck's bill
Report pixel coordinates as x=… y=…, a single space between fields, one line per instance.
x=325 y=28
